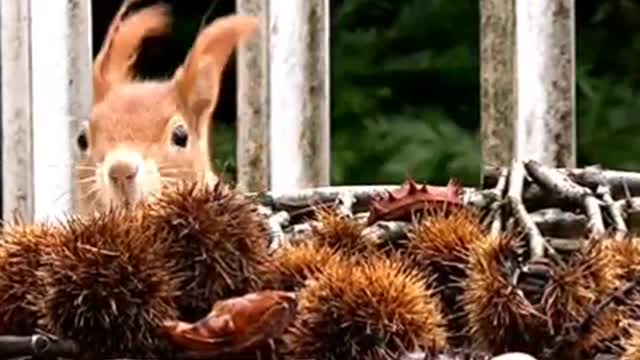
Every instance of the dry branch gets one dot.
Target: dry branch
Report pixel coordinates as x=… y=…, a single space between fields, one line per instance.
x=275 y=224
x=385 y=232
x=363 y=194
x=36 y=346
x=591 y=177
x=615 y=211
x=516 y=183
x=560 y=184
x=496 y=225
x=345 y=204
x=558 y=223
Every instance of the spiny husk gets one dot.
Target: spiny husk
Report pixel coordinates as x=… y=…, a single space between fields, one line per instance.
x=293 y=264
x=372 y=309
x=631 y=344
x=626 y=256
x=445 y=238
x=21 y=248
x=500 y=317
x=109 y=285
x=577 y=288
x=440 y=243
x=339 y=232
x=218 y=239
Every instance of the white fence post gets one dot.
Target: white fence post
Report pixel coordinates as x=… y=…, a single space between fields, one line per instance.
x=17 y=160
x=546 y=129
x=299 y=110
x=497 y=81
x=528 y=82
x=252 y=144
x=62 y=95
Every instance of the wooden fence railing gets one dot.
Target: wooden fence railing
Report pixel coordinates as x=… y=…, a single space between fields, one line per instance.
x=46 y=93
x=527 y=107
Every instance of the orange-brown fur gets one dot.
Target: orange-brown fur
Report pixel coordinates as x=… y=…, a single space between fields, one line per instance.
x=132 y=121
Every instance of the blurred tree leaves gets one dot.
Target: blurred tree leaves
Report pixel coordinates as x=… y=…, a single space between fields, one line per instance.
x=608 y=79
x=405 y=91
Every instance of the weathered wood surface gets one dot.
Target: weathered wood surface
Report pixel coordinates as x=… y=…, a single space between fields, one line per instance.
x=497 y=81
x=545 y=53
x=62 y=96
x=17 y=141
x=299 y=94
x=252 y=144
x=527 y=65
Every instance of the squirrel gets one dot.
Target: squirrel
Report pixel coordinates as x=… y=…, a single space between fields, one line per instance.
x=143 y=134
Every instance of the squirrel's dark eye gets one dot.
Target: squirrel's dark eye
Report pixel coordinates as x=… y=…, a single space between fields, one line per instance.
x=180 y=136
x=81 y=141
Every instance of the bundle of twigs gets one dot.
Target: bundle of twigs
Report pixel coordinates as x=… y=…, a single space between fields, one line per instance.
x=557 y=207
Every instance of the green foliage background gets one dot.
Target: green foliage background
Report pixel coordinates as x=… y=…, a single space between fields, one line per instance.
x=405 y=87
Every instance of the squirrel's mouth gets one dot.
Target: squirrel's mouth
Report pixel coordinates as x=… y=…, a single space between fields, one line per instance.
x=128 y=197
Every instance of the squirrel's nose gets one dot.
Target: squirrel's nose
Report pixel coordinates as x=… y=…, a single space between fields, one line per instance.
x=123 y=172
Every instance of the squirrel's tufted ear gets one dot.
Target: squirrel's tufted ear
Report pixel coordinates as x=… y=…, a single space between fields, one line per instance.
x=198 y=79
x=113 y=64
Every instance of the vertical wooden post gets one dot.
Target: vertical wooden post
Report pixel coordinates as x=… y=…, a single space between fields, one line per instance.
x=497 y=81
x=62 y=96
x=528 y=82
x=252 y=146
x=546 y=129
x=299 y=94
x=17 y=161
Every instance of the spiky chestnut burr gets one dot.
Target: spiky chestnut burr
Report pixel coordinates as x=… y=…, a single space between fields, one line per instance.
x=631 y=343
x=440 y=242
x=582 y=300
x=218 y=239
x=373 y=309
x=292 y=265
x=109 y=285
x=339 y=232
x=500 y=312
x=21 y=248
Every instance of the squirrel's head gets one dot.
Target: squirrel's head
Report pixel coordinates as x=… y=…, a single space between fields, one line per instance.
x=142 y=134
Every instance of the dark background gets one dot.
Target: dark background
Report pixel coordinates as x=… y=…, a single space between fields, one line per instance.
x=405 y=85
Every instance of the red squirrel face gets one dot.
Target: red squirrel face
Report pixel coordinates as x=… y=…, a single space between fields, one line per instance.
x=143 y=134
x=135 y=141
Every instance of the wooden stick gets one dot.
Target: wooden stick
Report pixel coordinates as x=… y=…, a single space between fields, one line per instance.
x=558 y=223
x=496 y=224
x=615 y=210
x=39 y=345
x=363 y=194
x=276 y=234
x=564 y=188
x=516 y=180
x=345 y=204
x=590 y=176
x=385 y=232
